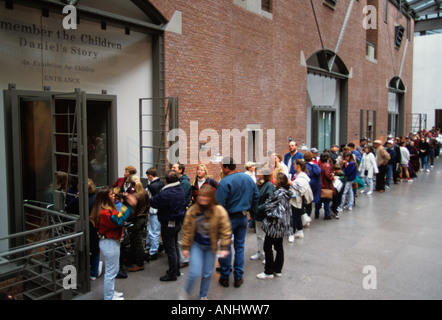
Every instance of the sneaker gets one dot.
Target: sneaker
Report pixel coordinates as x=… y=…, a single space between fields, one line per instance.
x=264 y=276
x=387 y=187
x=278 y=274
x=362 y=191
x=299 y=234
x=93 y=278
x=257 y=256
x=369 y=193
x=204 y=298
x=340 y=209
x=183 y=295
x=350 y=209
x=117 y=296
x=336 y=216
x=291 y=238
x=428 y=170
x=409 y=180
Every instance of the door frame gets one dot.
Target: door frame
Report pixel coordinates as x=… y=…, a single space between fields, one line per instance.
x=14 y=174
x=316 y=111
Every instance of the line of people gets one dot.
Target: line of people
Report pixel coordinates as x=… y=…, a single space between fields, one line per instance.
x=203 y=219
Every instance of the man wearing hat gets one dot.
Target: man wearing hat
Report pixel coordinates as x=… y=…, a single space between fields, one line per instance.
x=250 y=170
x=382 y=158
x=315 y=152
x=391 y=163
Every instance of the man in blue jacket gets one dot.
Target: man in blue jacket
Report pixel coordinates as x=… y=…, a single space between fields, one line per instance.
x=170 y=202
x=290 y=158
x=237 y=193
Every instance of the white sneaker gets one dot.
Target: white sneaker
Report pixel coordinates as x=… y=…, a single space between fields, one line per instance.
x=291 y=238
x=362 y=191
x=279 y=275
x=117 y=296
x=369 y=192
x=204 y=298
x=257 y=256
x=264 y=276
x=409 y=180
x=183 y=295
x=350 y=209
x=299 y=234
x=339 y=209
x=428 y=170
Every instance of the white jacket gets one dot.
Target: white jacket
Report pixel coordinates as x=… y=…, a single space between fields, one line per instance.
x=301 y=188
x=368 y=163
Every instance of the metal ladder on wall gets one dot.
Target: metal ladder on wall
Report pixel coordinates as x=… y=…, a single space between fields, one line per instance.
x=157 y=117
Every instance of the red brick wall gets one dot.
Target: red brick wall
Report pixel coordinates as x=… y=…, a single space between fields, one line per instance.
x=231 y=67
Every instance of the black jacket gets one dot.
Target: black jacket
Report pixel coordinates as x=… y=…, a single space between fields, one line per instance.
x=155 y=187
x=170 y=202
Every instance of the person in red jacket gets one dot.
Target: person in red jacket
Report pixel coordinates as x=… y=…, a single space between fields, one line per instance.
x=109 y=224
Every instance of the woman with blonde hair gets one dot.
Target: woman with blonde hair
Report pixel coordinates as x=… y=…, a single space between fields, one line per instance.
x=205 y=224
x=201 y=179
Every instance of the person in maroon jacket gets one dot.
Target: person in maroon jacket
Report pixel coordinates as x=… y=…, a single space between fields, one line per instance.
x=327 y=178
x=124 y=182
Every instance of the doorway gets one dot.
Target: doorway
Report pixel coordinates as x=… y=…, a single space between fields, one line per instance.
x=57 y=141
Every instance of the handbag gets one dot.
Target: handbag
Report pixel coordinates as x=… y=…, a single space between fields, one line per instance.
x=326 y=193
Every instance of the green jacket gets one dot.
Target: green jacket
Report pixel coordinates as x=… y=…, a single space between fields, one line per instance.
x=266 y=191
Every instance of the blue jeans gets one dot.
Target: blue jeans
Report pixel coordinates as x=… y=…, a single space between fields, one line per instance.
x=389 y=175
x=369 y=181
x=111 y=252
x=348 y=189
x=326 y=203
x=424 y=164
x=153 y=234
x=239 y=230
x=201 y=263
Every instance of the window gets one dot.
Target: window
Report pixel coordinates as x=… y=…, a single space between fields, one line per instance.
x=330 y=3
x=266 y=5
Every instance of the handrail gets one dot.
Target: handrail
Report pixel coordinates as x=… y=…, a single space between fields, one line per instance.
x=41 y=244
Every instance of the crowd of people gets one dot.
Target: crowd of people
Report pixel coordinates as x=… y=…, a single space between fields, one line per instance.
x=200 y=222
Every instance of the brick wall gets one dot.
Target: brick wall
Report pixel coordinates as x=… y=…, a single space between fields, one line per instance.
x=231 y=67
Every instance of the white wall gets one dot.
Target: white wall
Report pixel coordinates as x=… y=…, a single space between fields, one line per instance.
x=65 y=60
x=427 y=76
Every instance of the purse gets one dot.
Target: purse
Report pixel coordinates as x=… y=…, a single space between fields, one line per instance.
x=326 y=193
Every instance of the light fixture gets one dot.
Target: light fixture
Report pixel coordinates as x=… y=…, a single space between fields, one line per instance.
x=217 y=158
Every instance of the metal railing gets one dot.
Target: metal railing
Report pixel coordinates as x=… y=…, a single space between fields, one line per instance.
x=32 y=266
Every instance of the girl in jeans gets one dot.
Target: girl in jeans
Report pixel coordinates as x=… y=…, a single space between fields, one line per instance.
x=109 y=223
x=368 y=168
x=349 y=168
x=204 y=224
